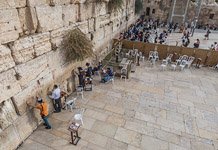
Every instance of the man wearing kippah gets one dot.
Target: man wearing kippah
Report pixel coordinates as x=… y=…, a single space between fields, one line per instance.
x=43 y=107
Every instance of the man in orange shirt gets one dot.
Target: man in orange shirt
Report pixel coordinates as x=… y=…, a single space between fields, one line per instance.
x=43 y=107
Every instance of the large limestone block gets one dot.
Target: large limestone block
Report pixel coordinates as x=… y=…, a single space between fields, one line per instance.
x=42 y=43
x=28 y=19
x=86 y=11
x=84 y=27
x=57 y=35
x=70 y=13
x=20 y=3
x=55 y=60
x=108 y=29
x=61 y=2
x=91 y=24
x=9 y=138
x=99 y=34
x=7 y=114
x=34 y=3
x=39 y=87
x=6 y=60
x=22 y=50
x=9 y=25
x=9 y=86
x=26 y=124
x=100 y=9
x=101 y=21
x=49 y=18
x=4 y=4
x=31 y=70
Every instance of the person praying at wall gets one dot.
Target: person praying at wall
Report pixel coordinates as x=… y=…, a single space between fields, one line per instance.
x=56 y=97
x=43 y=107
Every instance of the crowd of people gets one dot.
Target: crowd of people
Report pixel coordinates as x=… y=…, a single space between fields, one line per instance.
x=148 y=30
x=142 y=31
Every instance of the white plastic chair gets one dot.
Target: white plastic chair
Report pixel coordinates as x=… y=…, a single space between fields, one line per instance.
x=71 y=104
x=179 y=60
x=174 y=66
x=183 y=64
x=164 y=65
x=79 y=116
x=79 y=91
x=168 y=59
x=151 y=55
x=156 y=55
x=141 y=57
x=190 y=61
x=123 y=74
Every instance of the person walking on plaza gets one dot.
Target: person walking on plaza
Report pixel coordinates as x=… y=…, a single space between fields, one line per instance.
x=56 y=97
x=207 y=34
x=43 y=107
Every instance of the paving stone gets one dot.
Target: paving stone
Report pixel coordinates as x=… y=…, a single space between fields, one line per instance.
x=150 y=143
x=116 y=119
x=175 y=147
x=115 y=109
x=167 y=136
x=128 y=136
x=95 y=115
x=116 y=145
x=104 y=128
x=94 y=138
x=201 y=146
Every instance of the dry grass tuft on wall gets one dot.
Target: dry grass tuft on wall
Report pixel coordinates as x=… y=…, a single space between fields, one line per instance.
x=77 y=46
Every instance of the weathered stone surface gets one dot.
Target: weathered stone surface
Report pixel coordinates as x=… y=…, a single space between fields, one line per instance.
x=61 y=2
x=9 y=138
x=85 y=8
x=10 y=25
x=34 y=3
x=6 y=60
x=100 y=9
x=22 y=50
x=26 y=124
x=31 y=70
x=7 y=4
x=70 y=13
x=7 y=114
x=42 y=43
x=49 y=18
x=100 y=21
x=91 y=23
x=20 y=3
x=28 y=19
x=8 y=85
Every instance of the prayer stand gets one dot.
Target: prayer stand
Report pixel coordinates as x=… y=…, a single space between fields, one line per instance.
x=73 y=128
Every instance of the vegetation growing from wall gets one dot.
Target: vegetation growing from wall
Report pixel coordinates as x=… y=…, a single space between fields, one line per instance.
x=77 y=46
x=138 y=6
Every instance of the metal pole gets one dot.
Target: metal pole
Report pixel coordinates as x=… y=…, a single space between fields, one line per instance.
x=174 y=5
x=186 y=9
x=198 y=11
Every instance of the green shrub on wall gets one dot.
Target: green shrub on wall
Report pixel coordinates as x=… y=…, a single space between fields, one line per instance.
x=76 y=46
x=138 y=6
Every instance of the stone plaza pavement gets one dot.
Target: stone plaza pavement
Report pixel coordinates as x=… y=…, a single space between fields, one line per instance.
x=153 y=110
x=199 y=34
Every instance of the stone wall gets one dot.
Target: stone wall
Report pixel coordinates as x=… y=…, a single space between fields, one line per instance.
x=31 y=58
x=162 y=10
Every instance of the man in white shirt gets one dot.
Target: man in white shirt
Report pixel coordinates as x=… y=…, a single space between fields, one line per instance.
x=56 y=97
